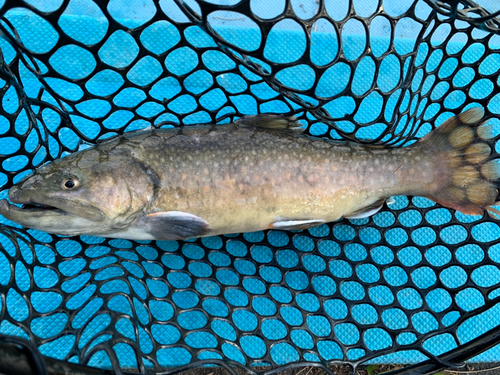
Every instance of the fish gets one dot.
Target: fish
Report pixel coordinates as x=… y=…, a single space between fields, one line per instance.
x=259 y=172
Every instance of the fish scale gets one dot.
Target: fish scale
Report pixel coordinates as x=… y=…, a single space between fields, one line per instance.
x=267 y=174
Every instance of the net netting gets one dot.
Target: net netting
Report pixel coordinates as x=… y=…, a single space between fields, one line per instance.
x=412 y=282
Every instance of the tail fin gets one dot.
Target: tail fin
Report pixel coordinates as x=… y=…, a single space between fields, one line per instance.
x=468 y=170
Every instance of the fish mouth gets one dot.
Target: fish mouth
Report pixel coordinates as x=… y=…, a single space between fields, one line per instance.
x=50 y=219
x=29 y=215
x=37 y=208
x=48 y=206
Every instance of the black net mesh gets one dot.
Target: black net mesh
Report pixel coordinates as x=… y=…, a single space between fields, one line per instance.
x=404 y=286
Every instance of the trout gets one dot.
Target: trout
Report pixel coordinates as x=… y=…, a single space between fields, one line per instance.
x=256 y=173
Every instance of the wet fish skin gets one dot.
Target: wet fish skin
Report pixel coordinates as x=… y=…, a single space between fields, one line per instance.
x=246 y=179
x=206 y=180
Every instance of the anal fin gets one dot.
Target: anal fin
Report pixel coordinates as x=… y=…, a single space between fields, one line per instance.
x=367 y=211
x=174 y=225
x=296 y=224
x=271 y=121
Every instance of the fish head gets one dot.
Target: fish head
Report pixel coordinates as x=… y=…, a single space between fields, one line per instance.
x=95 y=191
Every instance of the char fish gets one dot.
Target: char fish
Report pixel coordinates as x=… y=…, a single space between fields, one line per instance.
x=254 y=174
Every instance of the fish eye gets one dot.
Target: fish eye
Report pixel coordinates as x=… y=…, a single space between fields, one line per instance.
x=69 y=183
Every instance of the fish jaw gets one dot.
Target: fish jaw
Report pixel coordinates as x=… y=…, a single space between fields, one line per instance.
x=49 y=219
x=65 y=204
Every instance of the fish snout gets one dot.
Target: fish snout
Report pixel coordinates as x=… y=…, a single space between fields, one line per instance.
x=4 y=206
x=13 y=193
x=17 y=195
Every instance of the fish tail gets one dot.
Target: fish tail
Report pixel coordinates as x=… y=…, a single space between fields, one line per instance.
x=467 y=178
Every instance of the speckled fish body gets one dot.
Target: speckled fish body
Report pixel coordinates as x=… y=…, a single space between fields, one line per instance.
x=246 y=179
x=206 y=180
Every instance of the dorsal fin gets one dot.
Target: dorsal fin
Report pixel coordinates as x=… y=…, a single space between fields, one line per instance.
x=271 y=121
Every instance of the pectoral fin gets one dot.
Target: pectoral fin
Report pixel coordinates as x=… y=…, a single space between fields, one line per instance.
x=296 y=224
x=367 y=211
x=174 y=225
